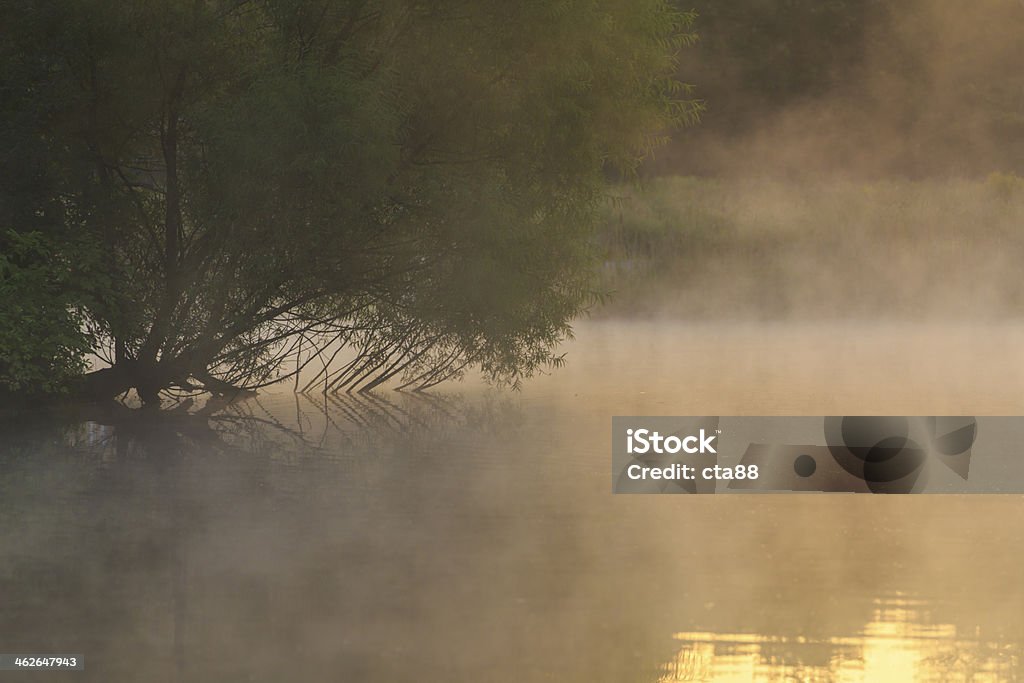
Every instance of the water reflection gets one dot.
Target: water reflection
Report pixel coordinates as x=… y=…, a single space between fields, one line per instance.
x=900 y=643
x=473 y=536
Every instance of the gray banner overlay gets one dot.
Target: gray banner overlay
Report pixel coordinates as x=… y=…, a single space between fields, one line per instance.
x=851 y=454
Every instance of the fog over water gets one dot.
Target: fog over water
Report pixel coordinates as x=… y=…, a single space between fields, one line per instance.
x=852 y=250
x=470 y=535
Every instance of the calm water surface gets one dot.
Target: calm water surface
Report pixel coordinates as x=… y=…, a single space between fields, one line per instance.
x=471 y=536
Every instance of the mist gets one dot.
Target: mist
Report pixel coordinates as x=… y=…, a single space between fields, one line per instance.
x=765 y=249
x=841 y=234
x=918 y=89
x=856 y=160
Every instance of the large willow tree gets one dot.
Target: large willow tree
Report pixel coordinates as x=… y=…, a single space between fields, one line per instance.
x=209 y=195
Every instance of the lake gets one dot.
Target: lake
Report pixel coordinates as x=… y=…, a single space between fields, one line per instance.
x=470 y=534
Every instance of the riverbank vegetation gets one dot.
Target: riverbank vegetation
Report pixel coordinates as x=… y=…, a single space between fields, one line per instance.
x=210 y=197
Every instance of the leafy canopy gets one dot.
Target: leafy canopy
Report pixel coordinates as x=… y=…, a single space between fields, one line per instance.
x=265 y=185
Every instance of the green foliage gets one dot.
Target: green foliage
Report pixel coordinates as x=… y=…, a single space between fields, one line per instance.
x=42 y=344
x=414 y=181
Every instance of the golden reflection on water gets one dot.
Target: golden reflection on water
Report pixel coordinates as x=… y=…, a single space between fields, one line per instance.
x=898 y=644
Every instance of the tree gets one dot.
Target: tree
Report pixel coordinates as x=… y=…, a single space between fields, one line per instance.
x=42 y=344
x=266 y=184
